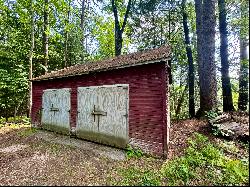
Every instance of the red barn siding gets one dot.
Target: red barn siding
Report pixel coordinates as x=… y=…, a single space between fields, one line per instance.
x=147 y=99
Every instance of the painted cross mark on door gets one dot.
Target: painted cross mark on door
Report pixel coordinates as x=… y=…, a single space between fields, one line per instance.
x=98 y=113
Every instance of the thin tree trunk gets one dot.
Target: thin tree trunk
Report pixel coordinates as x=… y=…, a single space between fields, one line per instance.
x=154 y=40
x=226 y=85
x=169 y=21
x=180 y=101
x=82 y=27
x=15 y=111
x=45 y=33
x=243 y=76
x=32 y=44
x=207 y=74
x=82 y=17
x=66 y=57
x=119 y=30
x=190 y=62
x=244 y=66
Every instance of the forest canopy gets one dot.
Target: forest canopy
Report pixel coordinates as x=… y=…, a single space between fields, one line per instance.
x=209 y=41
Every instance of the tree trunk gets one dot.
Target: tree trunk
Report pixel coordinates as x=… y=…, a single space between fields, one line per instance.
x=32 y=44
x=207 y=74
x=119 y=30
x=226 y=85
x=118 y=42
x=169 y=21
x=198 y=11
x=209 y=81
x=180 y=101
x=82 y=17
x=66 y=57
x=15 y=112
x=243 y=76
x=190 y=62
x=82 y=27
x=45 y=33
x=244 y=66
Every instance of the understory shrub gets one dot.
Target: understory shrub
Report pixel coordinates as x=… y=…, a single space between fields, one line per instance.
x=133 y=153
x=205 y=164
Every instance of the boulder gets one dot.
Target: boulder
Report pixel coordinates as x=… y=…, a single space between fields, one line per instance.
x=231 y=126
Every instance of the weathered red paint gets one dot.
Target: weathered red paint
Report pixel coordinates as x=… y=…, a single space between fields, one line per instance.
x=147 y=99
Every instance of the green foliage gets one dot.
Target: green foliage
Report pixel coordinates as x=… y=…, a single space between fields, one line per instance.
x=211 y=114
x=18 y=119
x=205 y=164
x=216 y=131
x=27 y=132
x=133 y=153
x=137 y=177
x=245 y=145
x=15 y=125
x=148 y=27
x=103 y=31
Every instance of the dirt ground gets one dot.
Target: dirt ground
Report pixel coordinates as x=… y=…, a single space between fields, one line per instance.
x=46 y=158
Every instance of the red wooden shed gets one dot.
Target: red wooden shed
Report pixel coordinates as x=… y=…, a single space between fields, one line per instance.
x=118 y=101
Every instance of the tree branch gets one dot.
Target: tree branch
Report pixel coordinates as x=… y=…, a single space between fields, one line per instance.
x=126 y=15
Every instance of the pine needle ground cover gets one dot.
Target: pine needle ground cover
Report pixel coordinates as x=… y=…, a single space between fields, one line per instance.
x=26 y=159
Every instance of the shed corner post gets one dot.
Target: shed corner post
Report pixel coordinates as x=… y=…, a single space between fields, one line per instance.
x=166 y=108
x=168 y=83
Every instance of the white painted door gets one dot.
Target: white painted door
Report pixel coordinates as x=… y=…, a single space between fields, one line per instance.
x=56 y=109
x=103 y=114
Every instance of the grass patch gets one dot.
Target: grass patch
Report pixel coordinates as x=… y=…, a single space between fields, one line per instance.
x=205 y=164
x=27 y=132
x=134 y=176
x=15 y=125
x=133 y=153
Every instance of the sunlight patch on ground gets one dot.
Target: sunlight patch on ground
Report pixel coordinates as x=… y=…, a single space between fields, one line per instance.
x=13 y=148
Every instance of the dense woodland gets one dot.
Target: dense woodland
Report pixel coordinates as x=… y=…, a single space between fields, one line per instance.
x=209 y=41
